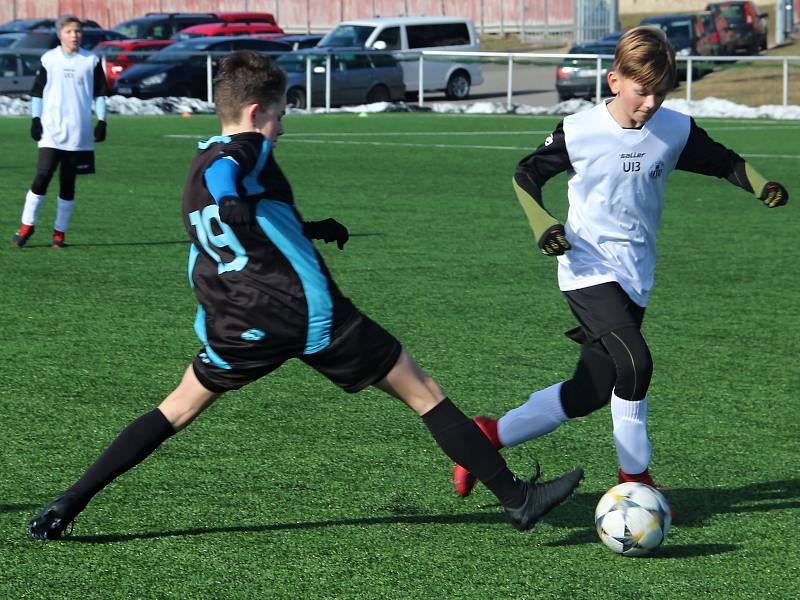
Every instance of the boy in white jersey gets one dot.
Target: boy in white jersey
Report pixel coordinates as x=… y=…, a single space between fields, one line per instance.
x=618 y=156
x=61 y=106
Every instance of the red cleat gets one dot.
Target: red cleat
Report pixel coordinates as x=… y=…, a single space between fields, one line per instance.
x=463 y=480
x=22 y=236
x=643 y=477
x=647 y=479
x=58 y=239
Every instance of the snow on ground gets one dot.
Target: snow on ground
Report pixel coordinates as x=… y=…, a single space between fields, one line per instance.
x=709 y=107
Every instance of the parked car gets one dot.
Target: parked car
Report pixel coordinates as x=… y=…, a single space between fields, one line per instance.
x=123 y=54
x=357 y=77
x=9 y=39
x=162 y=26
x=406 y=36
x=180 y=69
x=577 y=77
x=17 y=71
x=611 y=38
x=301 y=41
x=727 y=36
x=689 y=37
x=226 y=29
x=30 y=24
x=45 y=39
x=747 y=23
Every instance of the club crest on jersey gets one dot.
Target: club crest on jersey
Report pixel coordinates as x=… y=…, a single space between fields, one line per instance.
x=657 y=169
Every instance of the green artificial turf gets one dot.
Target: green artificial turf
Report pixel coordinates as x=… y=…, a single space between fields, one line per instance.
x=293 y=489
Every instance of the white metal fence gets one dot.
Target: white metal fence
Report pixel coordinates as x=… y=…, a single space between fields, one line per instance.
x=510 y=60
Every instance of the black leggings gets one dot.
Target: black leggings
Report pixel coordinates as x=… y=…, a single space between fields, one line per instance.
x=619 y=361
x=49 y=159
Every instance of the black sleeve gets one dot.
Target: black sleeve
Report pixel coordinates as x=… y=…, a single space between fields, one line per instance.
x=100 y=83
x=549 y=159
x=245 y=149
x=705 y=156
x=38 y=84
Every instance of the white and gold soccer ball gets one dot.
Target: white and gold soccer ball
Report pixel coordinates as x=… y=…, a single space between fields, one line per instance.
x=632 y=519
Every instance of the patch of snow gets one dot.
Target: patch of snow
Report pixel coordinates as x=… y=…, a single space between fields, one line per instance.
x=709 y=107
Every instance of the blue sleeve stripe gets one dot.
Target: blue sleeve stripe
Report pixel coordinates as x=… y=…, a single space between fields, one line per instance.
x=36 y=106
x=220 y=178
x=279 y=222
x=200 y=331
x=193 y=254
x=100 y=107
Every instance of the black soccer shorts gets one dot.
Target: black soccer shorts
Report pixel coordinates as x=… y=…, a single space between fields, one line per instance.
x=601 y=309
x=360 y=354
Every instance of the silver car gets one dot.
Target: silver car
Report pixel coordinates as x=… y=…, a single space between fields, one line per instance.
x=17 y=71
x=357 y=77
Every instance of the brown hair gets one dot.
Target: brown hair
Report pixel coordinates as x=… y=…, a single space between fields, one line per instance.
x=245 y=78
x=65 y=20
x=645 y=55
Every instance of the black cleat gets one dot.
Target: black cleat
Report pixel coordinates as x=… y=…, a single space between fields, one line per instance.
x=54 y=518
x=541 y=498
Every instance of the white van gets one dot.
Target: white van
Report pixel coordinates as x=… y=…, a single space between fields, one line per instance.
x=406 y=36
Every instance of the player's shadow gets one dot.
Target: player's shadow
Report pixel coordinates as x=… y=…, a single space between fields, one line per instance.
x=694 y=507
x=477 y=518
x=8 y=508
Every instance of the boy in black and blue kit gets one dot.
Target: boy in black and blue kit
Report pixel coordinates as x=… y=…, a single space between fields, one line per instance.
x=265 y=296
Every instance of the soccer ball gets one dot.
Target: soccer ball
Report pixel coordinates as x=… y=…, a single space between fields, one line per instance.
x=632 y=519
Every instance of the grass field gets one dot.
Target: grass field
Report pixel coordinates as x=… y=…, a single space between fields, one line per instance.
x=293 y=489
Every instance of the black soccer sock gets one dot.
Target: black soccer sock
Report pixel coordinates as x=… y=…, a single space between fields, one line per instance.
x=132 y=446
x=465 y=444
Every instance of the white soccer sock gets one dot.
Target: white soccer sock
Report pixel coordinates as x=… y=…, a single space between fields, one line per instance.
x=630 y=434
x=541 y=414
x=64 y=214
x=30 y=213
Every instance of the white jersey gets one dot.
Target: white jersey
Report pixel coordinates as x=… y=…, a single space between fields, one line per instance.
x=616 y=193
x=67 y=100
x=616 y=190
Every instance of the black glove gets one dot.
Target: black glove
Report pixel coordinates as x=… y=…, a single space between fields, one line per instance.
x=36 y=129
x=554 y=241
x=234 y=211
x=100 y=131
x=774 y=194
x=328 y=230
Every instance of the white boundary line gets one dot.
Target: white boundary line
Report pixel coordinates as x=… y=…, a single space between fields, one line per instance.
x=289 y=138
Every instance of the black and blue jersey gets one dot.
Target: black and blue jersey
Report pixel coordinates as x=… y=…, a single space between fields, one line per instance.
x=264 y=291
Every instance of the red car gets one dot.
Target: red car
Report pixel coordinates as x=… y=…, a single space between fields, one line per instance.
x=246 y=17
x=226 y=29
x=118 y=55
x=747 y=23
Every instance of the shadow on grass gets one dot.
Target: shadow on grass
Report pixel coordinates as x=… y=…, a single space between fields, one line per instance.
x=694 y=507
x=475 y=518
x=7 y=508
